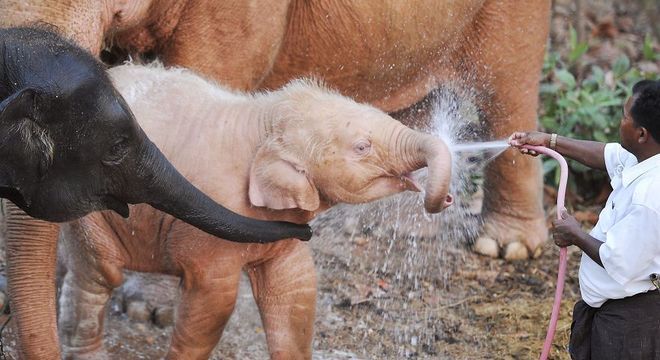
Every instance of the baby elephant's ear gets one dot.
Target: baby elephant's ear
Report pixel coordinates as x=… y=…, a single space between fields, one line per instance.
x=19 y=106
x=279 y=183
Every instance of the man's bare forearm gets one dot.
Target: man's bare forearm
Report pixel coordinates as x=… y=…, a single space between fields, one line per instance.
x=589 y=153
x=590 y=246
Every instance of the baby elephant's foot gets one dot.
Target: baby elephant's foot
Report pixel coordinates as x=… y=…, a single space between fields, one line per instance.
x=511 y=238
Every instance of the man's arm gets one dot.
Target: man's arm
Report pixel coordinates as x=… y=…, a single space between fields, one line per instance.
x=589 y=153
x=590 y=246
x=568 y=231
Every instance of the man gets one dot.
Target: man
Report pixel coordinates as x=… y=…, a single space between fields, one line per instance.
x=619 y=314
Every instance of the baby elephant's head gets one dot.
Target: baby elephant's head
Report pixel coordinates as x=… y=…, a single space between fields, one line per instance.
x=68 y=138
x=327 y=148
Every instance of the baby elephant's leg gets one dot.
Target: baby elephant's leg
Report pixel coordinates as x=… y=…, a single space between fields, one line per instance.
x=210 y=285
x=82 y=309
x=91 y=276
x=284 y=288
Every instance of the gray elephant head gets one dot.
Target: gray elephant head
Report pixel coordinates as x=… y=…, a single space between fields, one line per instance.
x=70 y=145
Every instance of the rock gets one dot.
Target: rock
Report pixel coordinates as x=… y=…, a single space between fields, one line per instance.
x=116 y=306
x=150 y=340
x=138 y=310
x=141 y=327
x=164 y=316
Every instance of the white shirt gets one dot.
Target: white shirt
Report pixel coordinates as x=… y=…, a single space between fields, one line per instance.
x=629 y=227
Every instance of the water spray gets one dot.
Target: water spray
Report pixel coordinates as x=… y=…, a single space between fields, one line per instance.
x=561 y=273
x=561 y=197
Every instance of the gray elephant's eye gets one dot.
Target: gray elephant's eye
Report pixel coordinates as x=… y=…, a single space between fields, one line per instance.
x=116 y=152
x=362 y=147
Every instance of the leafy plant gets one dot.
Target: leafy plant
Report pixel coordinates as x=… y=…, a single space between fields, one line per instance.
x=647 y=50
x=585 y=102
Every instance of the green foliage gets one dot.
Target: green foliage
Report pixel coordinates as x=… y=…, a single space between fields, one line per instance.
x=647 y=50
x=585 y=102
x=577 y=49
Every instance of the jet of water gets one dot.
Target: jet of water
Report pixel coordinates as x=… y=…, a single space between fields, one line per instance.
x=480 y=146
x=489 y=149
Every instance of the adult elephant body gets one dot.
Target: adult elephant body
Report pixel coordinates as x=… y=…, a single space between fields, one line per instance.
x=393 y=54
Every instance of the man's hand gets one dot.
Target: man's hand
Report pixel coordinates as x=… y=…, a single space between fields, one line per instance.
x=518 y=139
x=566 y=231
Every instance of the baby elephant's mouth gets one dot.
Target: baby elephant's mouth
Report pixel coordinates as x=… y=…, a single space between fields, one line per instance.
x=408 y=183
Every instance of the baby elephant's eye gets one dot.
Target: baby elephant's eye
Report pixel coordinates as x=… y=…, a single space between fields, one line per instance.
x=362 y=147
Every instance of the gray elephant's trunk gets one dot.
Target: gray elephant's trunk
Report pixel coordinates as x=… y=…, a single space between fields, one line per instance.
x=421 y=150
x=167 y=190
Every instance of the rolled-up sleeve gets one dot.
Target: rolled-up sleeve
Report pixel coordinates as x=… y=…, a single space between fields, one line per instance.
x=632 y=244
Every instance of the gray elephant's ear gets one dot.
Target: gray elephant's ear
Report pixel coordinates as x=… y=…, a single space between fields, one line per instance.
x=19 y=123
x=279 y=183
x=19 y=106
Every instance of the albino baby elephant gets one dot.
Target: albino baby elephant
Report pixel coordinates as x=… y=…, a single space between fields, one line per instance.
x=283 y=155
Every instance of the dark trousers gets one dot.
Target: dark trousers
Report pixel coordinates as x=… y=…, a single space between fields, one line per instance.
x=627 y=328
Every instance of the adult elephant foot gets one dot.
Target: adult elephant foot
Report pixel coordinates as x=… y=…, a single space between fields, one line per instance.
x=510 y=237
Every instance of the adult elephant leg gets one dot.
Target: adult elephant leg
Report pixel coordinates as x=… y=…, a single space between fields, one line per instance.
x=284 y=288
x=31 y=264
x=508 y=55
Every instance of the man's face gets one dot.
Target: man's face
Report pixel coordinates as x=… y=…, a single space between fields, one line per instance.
x=627 y=129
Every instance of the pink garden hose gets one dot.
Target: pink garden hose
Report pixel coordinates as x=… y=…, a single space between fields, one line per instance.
x=561 y=273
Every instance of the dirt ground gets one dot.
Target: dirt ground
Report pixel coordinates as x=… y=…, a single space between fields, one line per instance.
x=388 y=290
x=383 y=297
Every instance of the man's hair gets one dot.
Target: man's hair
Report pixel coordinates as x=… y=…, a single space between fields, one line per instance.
x=645 y=109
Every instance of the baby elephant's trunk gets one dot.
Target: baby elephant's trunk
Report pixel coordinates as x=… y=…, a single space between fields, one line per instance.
x=425 y=150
